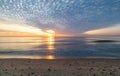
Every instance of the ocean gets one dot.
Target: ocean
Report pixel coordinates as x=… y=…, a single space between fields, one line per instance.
x=59 y=47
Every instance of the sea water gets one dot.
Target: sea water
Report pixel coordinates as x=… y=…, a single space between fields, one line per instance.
x=59 y=47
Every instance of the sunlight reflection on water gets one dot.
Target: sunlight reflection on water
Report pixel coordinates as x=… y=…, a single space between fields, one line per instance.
x=57 y=47
x=11 y=44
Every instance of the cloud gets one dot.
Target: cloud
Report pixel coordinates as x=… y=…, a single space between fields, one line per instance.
x=65 y=16
x=113 y=30
x=15 y=27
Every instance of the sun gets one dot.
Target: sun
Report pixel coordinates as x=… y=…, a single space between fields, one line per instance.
x=50 y=31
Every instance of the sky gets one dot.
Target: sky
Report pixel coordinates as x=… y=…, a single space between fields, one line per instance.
x=62 y=16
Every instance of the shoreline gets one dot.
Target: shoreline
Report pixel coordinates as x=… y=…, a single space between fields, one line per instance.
x=69 y=58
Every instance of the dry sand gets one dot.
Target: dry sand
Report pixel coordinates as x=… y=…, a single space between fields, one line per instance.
x=60 y=67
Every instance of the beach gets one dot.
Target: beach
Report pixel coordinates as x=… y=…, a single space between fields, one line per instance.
x=60 y=67
x=59 y=37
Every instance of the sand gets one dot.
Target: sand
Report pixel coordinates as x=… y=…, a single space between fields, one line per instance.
x=60 y=67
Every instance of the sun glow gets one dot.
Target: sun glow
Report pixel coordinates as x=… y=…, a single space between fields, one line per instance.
x=14 y=29
x=50 y=32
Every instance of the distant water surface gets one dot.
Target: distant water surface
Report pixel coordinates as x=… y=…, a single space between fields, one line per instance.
x=59 y=47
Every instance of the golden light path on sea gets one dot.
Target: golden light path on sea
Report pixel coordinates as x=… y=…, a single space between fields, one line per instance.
x=26 y=44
